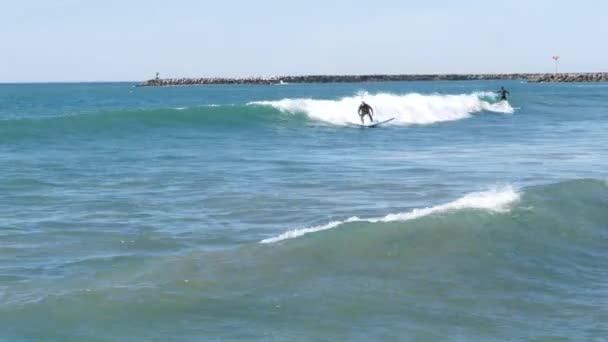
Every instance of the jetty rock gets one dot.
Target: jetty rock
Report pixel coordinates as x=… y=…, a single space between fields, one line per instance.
x=571 y=77
x=273 y=80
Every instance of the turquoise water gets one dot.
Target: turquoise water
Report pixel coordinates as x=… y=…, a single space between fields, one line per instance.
x=265 y=213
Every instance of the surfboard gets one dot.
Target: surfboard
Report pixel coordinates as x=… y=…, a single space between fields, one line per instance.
x=376 y=124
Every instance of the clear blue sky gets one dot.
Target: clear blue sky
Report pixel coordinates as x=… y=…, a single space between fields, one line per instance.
x=102 y=40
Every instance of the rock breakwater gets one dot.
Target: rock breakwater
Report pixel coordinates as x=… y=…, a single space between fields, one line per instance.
x=536 y=78
x=571 y=77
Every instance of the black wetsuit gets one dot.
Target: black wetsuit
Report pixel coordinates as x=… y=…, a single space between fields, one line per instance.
x=365 y=109
x=503 y=94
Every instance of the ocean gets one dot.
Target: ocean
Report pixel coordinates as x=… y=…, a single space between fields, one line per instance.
x=220 y=213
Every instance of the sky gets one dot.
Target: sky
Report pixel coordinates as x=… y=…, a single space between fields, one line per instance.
x=131 y=40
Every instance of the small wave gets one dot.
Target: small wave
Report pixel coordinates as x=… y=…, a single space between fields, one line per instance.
x=493 y=200
x=407 y=109
x=126 y=120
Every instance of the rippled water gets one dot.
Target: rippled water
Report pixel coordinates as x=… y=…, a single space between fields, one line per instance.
x=265 y=212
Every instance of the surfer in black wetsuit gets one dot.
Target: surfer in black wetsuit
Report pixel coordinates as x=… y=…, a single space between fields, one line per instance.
x=365 y=109
x=503 y=94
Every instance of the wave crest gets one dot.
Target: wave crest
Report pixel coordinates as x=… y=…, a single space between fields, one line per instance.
x=407 y=109
x=494 y=200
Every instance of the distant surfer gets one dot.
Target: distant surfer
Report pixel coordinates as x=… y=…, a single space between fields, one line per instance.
x=365 y=109
x=503 y=94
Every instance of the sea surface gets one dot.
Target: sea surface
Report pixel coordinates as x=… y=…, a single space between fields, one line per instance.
x=220 y=213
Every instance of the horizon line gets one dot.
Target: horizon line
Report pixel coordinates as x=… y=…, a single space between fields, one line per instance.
x=285 y=75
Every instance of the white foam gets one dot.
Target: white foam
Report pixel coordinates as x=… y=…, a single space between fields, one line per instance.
x=494 y=200
x=406 y=109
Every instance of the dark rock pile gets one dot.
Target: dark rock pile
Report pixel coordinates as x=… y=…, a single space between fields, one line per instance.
x=570 y=77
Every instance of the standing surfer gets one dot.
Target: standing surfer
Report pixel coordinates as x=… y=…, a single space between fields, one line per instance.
x=503 y=94
x=365 y=109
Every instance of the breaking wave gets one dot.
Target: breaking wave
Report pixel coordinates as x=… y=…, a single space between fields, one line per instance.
x=407 y=109
x=494 y=200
